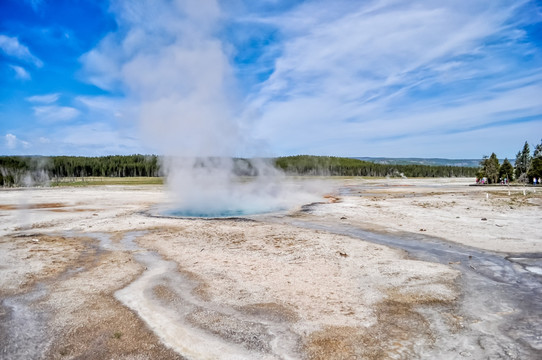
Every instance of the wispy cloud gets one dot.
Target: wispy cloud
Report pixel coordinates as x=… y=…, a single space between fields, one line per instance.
x=20 y=72
x=110 y=106
x=44 y=99
x=54 y=114
x=334 y=77
x=34 y=3
x=13 y=48
x=95 y=138
x=12 y=142
x=358 y=71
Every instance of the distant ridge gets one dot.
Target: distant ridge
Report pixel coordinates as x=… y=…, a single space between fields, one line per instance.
x=422 y=161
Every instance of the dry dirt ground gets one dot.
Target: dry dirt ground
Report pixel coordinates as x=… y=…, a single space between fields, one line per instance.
x=93 y=273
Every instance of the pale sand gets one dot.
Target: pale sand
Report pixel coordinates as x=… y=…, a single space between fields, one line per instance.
x=484 y=217
x=244 y=289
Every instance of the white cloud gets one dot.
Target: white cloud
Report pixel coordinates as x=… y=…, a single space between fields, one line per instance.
x=20 y=72
x=304 y=124
x=44 y=99
x=54 y=113
x=113 y=107
x=348 y=76
x=91 y=139
x=383 y=48
x=12 y=47
x=12 y=142
x=94 y=139
x=93 y=134
x=361 y=71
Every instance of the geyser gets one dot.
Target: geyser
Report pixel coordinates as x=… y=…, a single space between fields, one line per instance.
x=167 y=59
x=224 y=187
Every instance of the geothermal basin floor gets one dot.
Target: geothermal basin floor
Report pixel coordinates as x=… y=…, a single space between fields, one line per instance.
x=379 y=268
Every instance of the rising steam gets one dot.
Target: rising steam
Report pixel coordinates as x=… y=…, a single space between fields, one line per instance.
x=167 y=59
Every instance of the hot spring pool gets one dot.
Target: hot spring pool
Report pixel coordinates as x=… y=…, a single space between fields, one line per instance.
x=216 y=213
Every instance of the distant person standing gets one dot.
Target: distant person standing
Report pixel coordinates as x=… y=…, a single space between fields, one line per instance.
x=534 y=181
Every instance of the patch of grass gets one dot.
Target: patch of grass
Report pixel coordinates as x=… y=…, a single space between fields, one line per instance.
x=97 y=181
x=117 y=335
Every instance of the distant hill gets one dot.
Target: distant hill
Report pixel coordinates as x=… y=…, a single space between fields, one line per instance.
x=422 y=161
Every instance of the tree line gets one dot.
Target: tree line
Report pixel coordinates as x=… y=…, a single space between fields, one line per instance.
x=339 y=166
x=29 y=170
x=32 y=170
x=526 y=167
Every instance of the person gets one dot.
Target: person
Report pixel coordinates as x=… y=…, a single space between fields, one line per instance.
x=534 y=181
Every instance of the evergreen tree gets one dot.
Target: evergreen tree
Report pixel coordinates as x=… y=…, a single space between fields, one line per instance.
x=490 y=169
x=523 y=162
x=481 y=172
x=535 y=170
x=538 y=150
x=335 y=166
x=506 y=171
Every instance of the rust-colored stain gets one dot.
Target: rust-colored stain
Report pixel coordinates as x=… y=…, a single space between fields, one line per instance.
x=31 y=206
x=332 y=199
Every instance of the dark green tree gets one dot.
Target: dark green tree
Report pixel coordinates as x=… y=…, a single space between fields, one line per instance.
x=336 y=166
x=506 y=171
x=490 y=169
x=481 y=172
x=538 y=150
x=14 y=169
x=535 y=170
x=523 y=162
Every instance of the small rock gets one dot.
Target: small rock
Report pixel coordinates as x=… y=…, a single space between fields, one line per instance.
x=343 y=254
x=484 y=219
x=35 y=240
x=343 y=218
x=423 y=229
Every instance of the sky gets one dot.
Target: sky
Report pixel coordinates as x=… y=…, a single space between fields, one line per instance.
x=383 y=78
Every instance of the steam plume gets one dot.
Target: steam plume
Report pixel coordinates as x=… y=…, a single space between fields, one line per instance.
x=166 y=58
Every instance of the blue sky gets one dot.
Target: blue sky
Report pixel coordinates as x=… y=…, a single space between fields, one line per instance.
x=449 y=78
